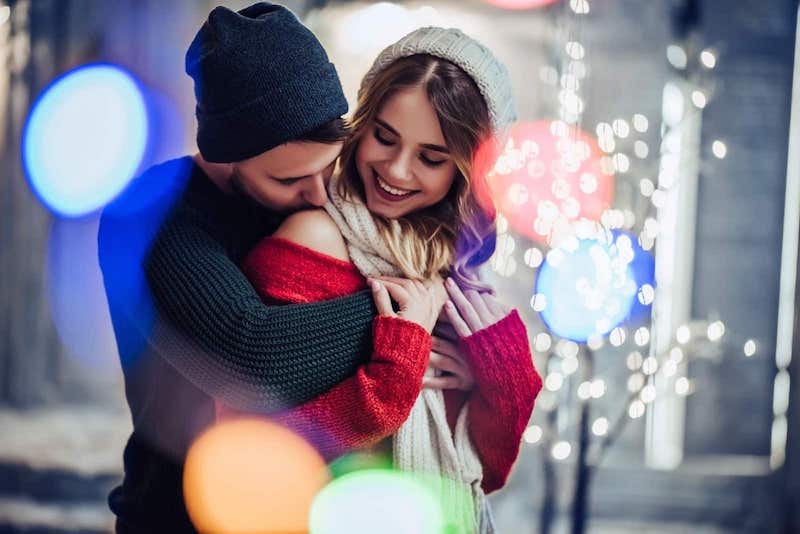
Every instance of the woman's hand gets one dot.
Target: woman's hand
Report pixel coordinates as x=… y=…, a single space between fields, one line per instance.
x=418 y=303
x=450 y=371
x=470 y=311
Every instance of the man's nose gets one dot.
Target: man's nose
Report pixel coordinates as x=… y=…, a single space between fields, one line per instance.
x=316 y=193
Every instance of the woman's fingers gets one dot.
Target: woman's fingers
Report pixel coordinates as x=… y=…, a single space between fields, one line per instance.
x=410 y=286
x=459 y=325
x=398 y=293
x=498 y=310
x=416 y=303
x=446 y=347
x=443 y=382
x=381 y=297
x=464 y=307
x=476 y=299
x=462 y=382
x=444 y=363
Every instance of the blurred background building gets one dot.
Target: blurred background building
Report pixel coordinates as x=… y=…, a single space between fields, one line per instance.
x=652 y=184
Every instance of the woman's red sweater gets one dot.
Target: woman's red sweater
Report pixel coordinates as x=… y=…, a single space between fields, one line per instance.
x=373 y=404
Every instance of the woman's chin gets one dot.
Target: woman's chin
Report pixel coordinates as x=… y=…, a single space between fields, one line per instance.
x=382 y=210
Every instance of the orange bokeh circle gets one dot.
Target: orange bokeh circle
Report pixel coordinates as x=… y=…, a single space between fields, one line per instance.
x=251 y=475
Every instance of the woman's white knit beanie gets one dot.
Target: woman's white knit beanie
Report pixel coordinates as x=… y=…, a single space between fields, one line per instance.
x=489 y=74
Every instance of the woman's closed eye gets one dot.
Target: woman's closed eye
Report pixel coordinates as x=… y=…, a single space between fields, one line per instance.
x=431 y=162
x=381 y=139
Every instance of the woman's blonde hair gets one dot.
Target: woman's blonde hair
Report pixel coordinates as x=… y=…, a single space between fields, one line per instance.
x=457 y=234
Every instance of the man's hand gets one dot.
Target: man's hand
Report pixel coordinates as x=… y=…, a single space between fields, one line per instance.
x=450 y=371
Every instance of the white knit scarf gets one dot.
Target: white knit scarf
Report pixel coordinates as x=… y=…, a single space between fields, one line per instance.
x=424 y=444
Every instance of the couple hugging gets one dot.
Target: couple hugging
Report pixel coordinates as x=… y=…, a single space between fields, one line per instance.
x=321 y=273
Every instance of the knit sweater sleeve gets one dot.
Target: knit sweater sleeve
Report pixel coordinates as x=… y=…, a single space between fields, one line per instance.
x=506 y=386
x=374 y=402
x=252 y=356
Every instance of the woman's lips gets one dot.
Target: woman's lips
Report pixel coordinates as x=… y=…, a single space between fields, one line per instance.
x=385 y=195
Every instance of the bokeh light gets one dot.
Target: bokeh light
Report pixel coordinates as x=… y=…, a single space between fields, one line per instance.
x=676 y=56
x=682 y=386
x=715 y=330
x=588 y=287
x=250 y=475
x=520 y=4
x=634 y=360
x=376 y=500
x=581 y=7
x=720 y=149
x=650 y=365
x=548 y=177
x=554 y=381
x=708 y=58
x=636 y=409
x=359 y=461
x=78 y=304
x=533 y=434
x=561 y=450
x=85 y=138
x=600 y=426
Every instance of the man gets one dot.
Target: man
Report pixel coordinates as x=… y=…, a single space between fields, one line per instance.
x=189 y=326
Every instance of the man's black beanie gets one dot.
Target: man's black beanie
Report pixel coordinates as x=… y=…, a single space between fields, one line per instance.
x=261 y=79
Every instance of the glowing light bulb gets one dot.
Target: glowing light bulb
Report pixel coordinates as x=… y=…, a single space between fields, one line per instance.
x=719 y=149
x=561 y=450
x=636 y=409
x=683 y=334
x=533 y=434
x=600 y=426
x=708 y=59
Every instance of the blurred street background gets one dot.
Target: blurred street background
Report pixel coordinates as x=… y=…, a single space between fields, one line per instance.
x=669 y=128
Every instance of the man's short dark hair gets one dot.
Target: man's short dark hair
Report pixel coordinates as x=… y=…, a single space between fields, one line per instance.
x=331 y=132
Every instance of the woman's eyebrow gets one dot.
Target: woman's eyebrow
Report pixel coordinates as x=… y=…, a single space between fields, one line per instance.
x=429 y=146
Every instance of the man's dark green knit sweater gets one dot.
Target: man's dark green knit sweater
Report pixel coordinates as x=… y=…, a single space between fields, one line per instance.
x=191 y=328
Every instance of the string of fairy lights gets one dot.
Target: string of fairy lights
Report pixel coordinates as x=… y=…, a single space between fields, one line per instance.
x=625 y=157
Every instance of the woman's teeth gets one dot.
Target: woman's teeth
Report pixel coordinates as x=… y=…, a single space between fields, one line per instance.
x=392 y=190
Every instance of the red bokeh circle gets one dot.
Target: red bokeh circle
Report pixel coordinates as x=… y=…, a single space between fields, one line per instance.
x=549 y=175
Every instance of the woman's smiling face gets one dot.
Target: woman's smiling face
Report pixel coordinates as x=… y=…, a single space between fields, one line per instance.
x=402 y=158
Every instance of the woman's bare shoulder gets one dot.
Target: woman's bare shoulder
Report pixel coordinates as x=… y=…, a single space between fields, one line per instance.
x=314 y=229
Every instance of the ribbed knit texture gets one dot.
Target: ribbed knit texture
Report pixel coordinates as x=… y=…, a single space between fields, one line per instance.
x=189 y=327
x=261 y=79
x=424 y=444
x=220 y=335
x=506 y=387
x=373 y=403
x=489 y=74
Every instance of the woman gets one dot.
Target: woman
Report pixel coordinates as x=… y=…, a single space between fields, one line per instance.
x=410 y=203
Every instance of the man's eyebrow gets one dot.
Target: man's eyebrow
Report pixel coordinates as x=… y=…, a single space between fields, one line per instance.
x=437 y=148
